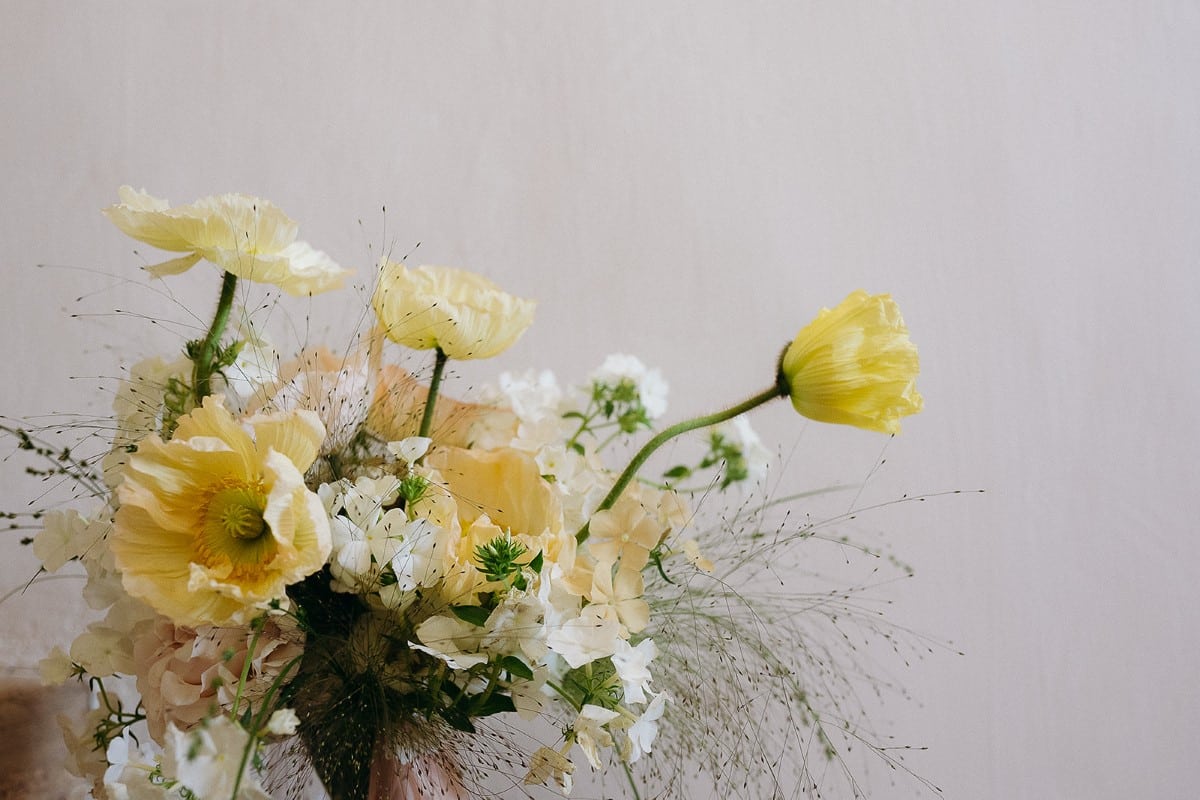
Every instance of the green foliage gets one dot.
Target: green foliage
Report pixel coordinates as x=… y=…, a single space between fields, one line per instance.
x=177 y=401
x=498 y=561
x=413 y=488
x=595 y=683
x=516 y=668
x=611 y=406
x=476 y=615
x=723 y=453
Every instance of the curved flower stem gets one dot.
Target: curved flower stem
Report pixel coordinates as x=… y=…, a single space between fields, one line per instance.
x=202 y=369
x=439 y=365
x=670 y=433
x=245 y=676
x=632 y=781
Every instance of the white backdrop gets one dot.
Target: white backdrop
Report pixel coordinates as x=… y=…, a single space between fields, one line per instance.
x=691 y=181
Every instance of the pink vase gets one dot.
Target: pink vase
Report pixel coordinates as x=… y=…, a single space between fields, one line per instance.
x=429 y=776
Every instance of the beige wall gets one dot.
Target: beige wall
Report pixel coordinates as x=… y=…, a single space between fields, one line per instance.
x=690 y=181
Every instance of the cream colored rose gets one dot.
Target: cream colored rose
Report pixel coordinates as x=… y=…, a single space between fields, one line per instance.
x=247 y=236
x=183 y=674
x=458 y=312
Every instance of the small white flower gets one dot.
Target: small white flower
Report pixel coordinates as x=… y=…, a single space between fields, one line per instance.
x=593 y=634
x=67 y=535
x=256 y=367
x=56 y=668
x=103 y=651
x=549 y=764
x=206 y=760
x=643 y=732
x=758 y=457
x=128 y=776
x=590 y=734
x=453 y=640
x=691 y=549
x=420 y=560
x=516 y=627
x=633 y=668
x=283 y=722
x=528 y=696
x=364 y=537
x=83 y=760
x=411 y=449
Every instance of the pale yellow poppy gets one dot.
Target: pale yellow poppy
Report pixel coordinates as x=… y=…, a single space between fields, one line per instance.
x=462 y=314
x=244 y=235
x=855 y=365
x=217 y=522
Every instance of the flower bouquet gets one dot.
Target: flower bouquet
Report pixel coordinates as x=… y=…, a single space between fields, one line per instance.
x=319 y=564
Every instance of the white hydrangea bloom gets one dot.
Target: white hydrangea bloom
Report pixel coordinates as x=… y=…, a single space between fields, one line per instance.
x=516 y=627
x=651 y=386
x=365 y=538
x=532 y=395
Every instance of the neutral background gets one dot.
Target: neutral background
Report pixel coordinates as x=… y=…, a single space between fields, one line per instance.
x=691 y=181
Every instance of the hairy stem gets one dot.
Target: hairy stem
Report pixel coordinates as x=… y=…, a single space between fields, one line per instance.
x=666 y=435
x=202 y=369
x=439 y=365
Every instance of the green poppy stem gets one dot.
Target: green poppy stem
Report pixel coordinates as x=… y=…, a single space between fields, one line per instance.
x=439 y=365
x=667 y=434
x=202 y=369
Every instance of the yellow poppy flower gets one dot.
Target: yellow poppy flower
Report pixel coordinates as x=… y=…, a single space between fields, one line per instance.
x=854 y=365
x=462 y=314
x=217 y=522
x=244 y=235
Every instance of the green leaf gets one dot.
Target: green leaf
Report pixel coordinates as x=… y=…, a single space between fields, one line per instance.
x=458 y=719
x=516 y=667
x=496 y=704
x=536 y=563
x=476 y=615
x=680 y=471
